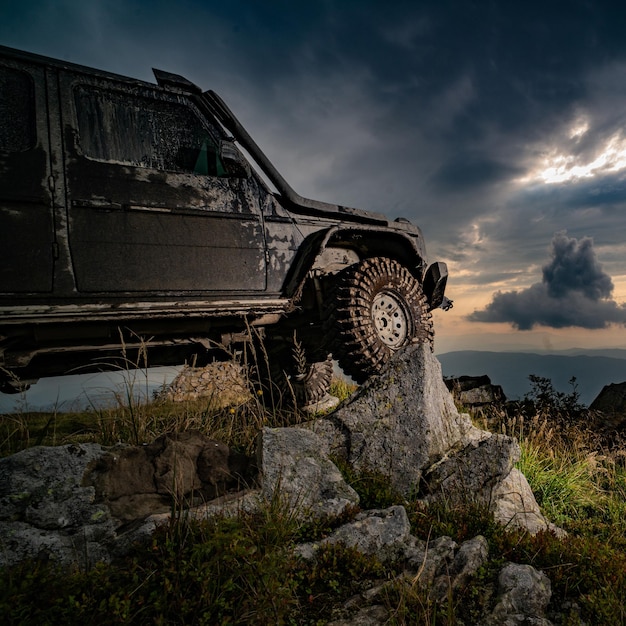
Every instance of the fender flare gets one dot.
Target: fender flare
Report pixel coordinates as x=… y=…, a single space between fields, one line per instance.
x=366 y=241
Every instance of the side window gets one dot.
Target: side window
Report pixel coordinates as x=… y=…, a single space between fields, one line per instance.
x=17 y=111
x=116 y=127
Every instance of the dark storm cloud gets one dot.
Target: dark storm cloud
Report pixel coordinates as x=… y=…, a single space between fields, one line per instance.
x=604 y=192
x=574 y=292
x=590 y=206
x=532 y=307
x=575 y=268
x=468 y=170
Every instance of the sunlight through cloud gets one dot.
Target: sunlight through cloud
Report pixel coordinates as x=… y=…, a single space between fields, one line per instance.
x=559 y=167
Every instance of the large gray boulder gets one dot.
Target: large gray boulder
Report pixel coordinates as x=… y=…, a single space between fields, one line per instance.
x=46 y=511
x=523 y=597
x=404 y=425
x=399 y=422
x=294 y=467
x=473 y=471
x=79 y=504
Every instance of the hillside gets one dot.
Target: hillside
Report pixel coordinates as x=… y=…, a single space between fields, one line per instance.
x=511 y=370
x=419 y=558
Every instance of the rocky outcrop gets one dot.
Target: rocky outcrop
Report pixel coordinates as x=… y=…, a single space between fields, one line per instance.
x=403 y=424
x=612 y=399
x=440 y=569
x=607 y=414
x=84 y=503
x=475 y=390
x=223 y=383
x=400 y=422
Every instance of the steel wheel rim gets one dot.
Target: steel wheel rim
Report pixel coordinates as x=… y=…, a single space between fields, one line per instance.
x=391 y=319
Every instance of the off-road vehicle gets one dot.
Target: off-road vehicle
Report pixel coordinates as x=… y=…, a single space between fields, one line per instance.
x=131 y=221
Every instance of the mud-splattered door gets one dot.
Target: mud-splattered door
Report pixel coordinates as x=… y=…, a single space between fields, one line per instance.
x=151 y=208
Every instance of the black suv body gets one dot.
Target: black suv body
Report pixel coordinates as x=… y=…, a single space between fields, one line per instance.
x=130 y=220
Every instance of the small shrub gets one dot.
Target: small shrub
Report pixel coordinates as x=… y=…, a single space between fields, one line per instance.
x=342 y=389
x=546 y=399
x=337 y=573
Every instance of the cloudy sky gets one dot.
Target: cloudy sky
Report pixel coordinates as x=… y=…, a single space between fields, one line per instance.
x=498 y=127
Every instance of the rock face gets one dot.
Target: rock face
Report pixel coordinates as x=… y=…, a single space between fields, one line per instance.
x=607 y=414
x=612 y=399
x=74 y=503
x=400 y=422
x=294 y=467
x=46 y=512
x=403 y=424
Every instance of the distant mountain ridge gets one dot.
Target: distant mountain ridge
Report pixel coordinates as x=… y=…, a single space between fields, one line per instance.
x=593 y=369
x=615 y=353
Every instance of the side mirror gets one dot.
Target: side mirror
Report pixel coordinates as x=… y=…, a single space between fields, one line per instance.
x=233 y=161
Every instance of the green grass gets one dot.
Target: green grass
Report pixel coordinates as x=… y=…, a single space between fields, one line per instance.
x=243 y=571
x=138 y=423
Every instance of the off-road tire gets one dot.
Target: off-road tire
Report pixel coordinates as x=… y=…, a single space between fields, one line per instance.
x=292 y=378
x=375 y=308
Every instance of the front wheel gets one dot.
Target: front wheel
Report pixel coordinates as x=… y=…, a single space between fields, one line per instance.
x=375 y=308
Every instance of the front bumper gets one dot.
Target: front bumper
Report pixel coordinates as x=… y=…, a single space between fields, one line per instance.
x=434 y=286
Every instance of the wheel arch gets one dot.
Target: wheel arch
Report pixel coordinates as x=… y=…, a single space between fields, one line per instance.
x=360 y=242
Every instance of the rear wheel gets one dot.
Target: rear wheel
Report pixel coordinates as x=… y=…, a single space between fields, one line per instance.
x=292 y=377
x=375 y=308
